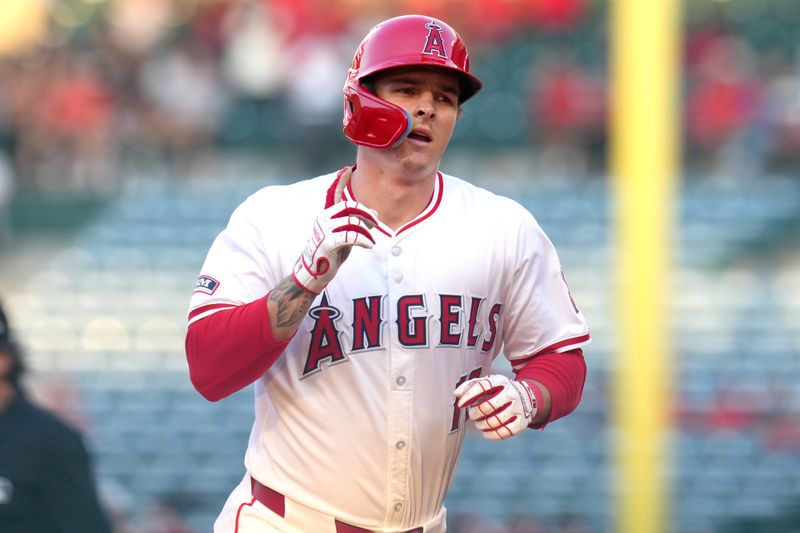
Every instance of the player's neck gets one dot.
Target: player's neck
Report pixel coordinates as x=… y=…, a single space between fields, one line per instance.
x=398 y=198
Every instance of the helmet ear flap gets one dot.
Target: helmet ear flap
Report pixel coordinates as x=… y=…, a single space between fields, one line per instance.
x=372 y=121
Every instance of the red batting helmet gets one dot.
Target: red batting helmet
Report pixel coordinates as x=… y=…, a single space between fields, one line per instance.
x=399 y=42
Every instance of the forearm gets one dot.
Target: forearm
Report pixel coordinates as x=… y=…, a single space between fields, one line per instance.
x=231 y=348
x=287 y=305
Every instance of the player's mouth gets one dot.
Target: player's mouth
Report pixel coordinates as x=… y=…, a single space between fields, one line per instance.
x=421 y=135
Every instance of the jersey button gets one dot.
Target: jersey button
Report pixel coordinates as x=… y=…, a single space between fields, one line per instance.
x=400 y=444
x=398 y=277
x=401 y=380
x=398 y=507
x=396 y=250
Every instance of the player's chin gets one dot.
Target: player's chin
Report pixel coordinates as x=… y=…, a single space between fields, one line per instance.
x=421 y=158
x=416 y=162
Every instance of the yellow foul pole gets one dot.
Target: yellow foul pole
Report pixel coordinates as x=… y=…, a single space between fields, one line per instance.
x=645 y=60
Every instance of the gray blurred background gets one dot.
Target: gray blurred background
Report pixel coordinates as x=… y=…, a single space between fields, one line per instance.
x=130 y=129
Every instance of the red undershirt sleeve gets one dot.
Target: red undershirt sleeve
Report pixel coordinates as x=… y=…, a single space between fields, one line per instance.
x=231 y=349
x=564 y=375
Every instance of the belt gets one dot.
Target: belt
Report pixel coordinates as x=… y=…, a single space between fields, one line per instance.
x=276 y=502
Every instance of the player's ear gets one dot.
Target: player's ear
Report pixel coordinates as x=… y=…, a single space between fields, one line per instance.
x=460 y=113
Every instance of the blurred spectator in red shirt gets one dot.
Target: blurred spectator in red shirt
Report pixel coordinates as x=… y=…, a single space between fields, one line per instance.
x=567 y=111
x=723 y=101
x=64 y=114
x=77 y=102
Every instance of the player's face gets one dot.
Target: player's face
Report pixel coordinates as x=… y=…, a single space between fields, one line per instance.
x=431 y=98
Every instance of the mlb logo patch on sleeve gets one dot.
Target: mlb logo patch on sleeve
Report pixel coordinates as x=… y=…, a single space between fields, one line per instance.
x=206 y=284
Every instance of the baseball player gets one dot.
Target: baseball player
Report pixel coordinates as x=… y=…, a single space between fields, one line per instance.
x=368 y=304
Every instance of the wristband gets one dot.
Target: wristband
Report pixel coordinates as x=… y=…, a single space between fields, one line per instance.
x=538 y=397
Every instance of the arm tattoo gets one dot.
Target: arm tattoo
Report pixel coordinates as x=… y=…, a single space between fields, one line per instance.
x=292 y=302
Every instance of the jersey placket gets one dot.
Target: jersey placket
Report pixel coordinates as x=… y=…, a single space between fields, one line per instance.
x=401 y=376
x=399 y=263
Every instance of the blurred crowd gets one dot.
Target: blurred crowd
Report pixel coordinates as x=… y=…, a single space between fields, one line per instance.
x=110 y=84
x=742 y=105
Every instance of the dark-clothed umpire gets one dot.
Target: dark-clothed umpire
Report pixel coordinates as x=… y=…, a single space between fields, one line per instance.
x=46 y=482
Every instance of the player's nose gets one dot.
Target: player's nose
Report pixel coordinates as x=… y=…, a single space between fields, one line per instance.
x=424 y=105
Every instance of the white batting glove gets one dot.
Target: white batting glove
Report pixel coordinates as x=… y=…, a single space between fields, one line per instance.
x=336 y=230
x=499 y=406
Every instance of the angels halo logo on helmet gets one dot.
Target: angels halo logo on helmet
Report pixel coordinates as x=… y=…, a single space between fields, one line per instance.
x=403 y=41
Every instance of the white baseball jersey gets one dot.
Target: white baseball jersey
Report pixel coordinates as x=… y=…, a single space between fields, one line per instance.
x=357 y=418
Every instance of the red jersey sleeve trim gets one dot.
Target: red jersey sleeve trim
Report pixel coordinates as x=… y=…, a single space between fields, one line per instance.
x=194 y=313
x=558 y=346
x=231 y=348
x=563 y=374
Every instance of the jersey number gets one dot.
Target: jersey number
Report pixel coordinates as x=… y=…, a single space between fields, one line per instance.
x=456 y=424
